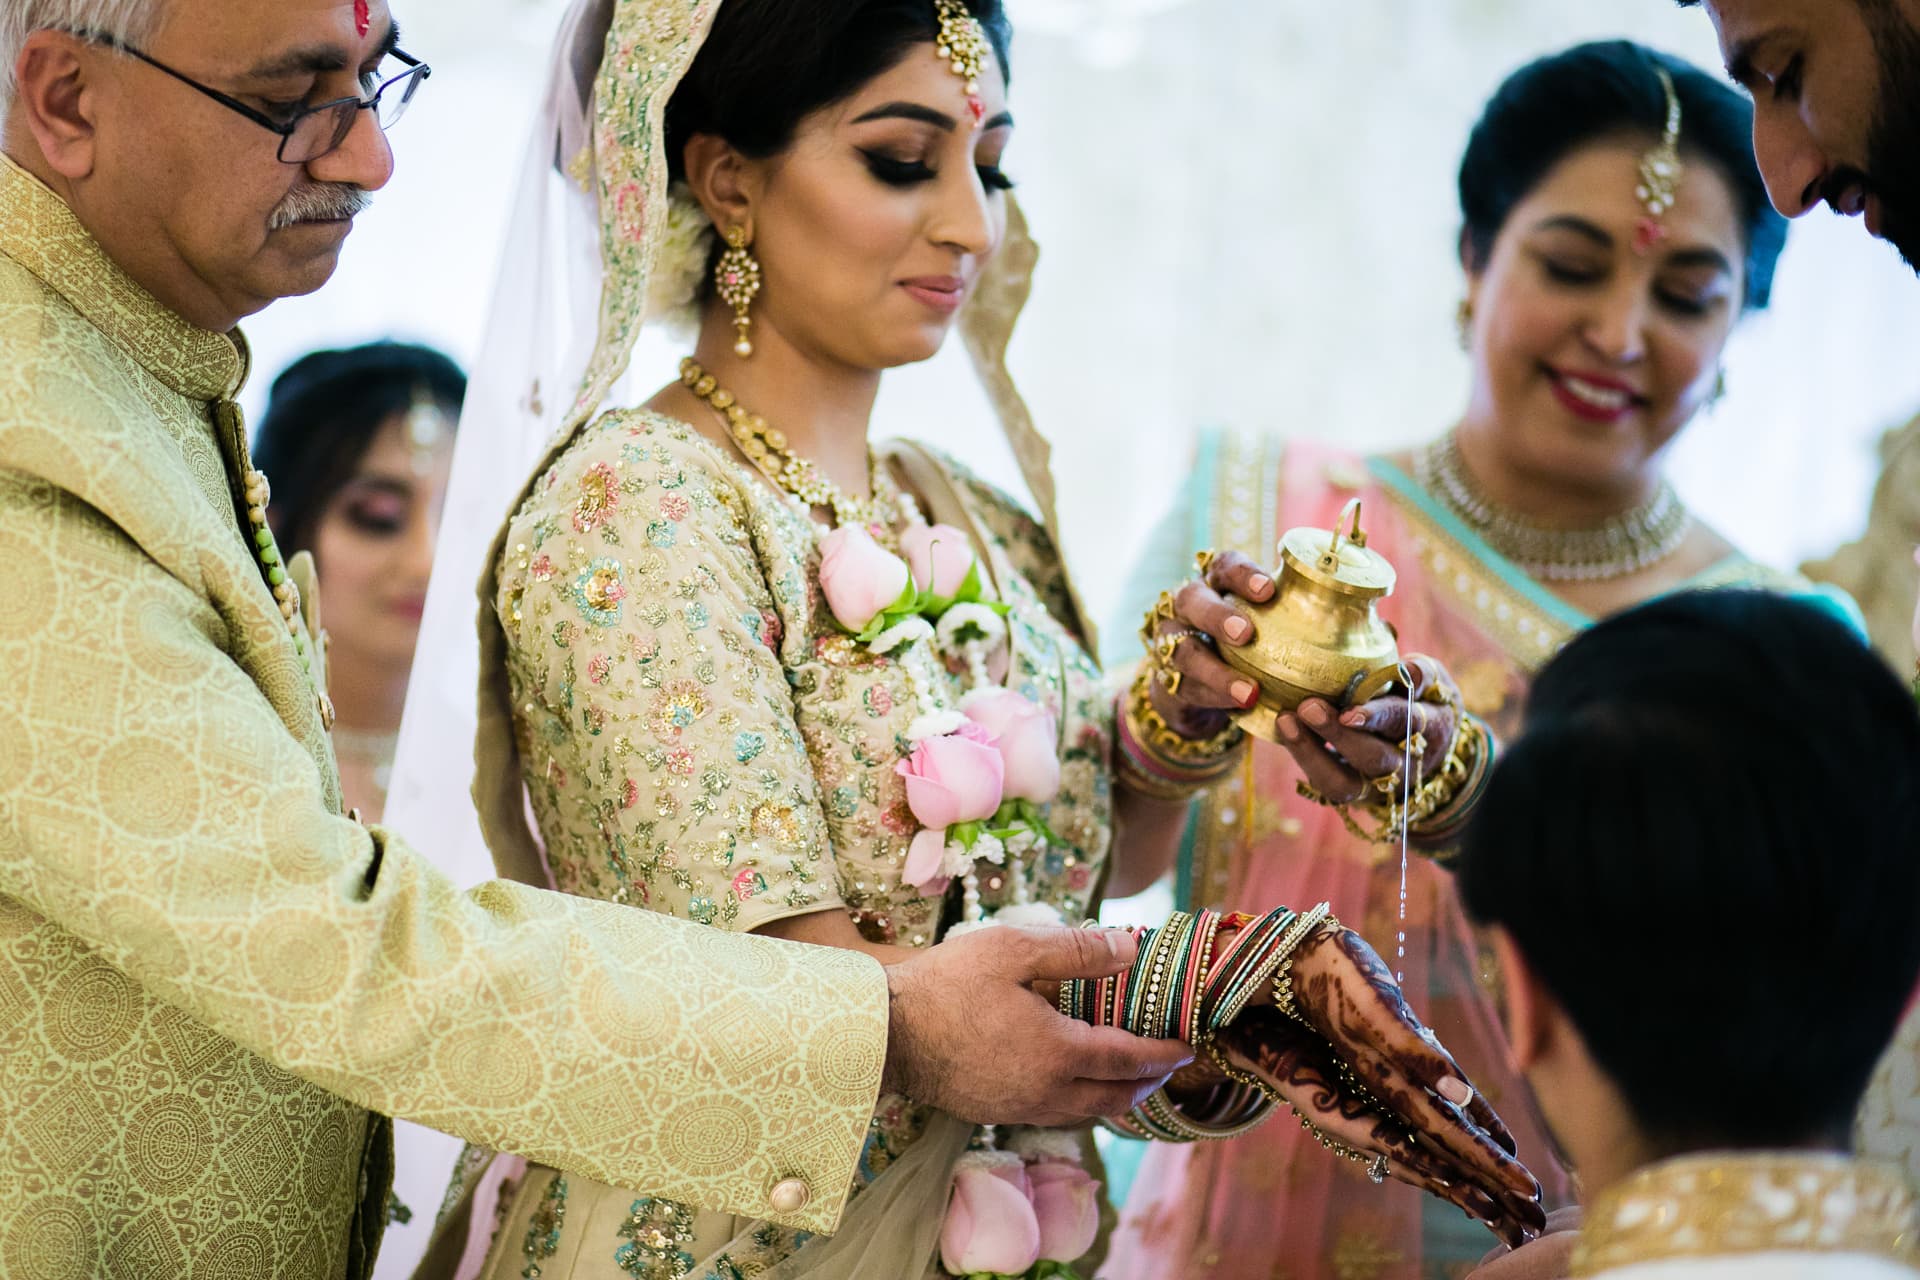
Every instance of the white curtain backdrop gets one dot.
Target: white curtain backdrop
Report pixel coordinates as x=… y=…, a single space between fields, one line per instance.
x=1248 y=218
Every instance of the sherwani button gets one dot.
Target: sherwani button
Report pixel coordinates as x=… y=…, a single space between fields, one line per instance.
x=789 y=1195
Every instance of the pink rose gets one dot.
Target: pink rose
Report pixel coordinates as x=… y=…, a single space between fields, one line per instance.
x=955 y=778
x=1029 y=742
x=1066 y=1204
x=924 y=856
x=990 y=1222
x=939 y=555
x=861 y=578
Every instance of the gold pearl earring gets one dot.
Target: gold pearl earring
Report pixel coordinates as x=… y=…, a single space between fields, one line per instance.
x=1463 y=323
x=736 y=277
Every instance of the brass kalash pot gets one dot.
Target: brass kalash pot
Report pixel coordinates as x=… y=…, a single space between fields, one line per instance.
x=1320 y=635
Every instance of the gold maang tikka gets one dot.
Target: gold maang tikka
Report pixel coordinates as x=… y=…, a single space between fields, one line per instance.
x=962 y=44
x=1660 y=173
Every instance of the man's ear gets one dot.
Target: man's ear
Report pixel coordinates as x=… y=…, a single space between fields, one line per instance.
x=54 y=100
x=1533 y=1015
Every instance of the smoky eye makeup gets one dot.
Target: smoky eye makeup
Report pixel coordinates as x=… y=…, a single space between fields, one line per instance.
x=377 y=510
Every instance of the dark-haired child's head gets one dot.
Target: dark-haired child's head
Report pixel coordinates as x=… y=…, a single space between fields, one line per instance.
x=358 y=445
x=852 y=158
x=1702 y=857
x=1597 y=328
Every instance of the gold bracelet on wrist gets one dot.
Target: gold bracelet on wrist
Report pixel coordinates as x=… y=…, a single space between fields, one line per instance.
x=1396 y=821
x=1153 y=732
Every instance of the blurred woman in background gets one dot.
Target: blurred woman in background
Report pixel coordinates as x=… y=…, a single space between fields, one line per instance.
x=360 y=443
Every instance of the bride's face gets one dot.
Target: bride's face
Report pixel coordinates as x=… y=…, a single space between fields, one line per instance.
x=874 y=226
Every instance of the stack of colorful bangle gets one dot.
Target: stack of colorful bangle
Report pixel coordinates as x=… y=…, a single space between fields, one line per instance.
x=1193 y=977
x=1156 y=761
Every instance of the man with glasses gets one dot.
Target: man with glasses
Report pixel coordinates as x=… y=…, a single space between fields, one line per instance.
x=210 y=979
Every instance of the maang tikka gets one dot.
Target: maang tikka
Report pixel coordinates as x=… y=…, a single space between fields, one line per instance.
x=1660 y=173
x=736 y=278
x=963 y=45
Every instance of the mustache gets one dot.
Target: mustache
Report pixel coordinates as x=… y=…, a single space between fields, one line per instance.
x=1843 y=180
x=319 y=202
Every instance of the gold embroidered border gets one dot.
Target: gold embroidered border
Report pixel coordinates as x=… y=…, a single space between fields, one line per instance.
x=1517 y=623
x=1730 y=1204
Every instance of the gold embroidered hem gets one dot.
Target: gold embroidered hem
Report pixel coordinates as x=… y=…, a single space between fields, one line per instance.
x=1724 y=1204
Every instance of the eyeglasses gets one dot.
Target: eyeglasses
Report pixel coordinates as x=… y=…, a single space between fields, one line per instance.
x=311 y=132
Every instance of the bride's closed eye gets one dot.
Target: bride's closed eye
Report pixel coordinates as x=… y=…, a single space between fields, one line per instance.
x=895 y=172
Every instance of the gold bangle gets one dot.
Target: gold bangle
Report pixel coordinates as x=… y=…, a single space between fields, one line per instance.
x=1153 y=732
x=1290 y=942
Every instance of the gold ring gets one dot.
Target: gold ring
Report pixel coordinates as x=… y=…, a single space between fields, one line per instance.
x=1203 y=561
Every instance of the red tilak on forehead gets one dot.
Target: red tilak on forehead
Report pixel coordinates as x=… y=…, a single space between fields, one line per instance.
x=977 y=109
x=362 y=17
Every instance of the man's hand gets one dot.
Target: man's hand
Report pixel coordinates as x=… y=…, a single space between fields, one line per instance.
x=970 y=1035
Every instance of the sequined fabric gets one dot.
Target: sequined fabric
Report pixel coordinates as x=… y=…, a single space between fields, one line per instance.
x=699 y=738
x=1743 y=1210
x=208 y=977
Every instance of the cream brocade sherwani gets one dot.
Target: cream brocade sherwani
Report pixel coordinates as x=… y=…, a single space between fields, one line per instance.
x=209 y=979
x=1754 y=1216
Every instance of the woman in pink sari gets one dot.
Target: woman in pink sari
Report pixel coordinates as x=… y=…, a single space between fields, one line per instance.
x=1616 y=230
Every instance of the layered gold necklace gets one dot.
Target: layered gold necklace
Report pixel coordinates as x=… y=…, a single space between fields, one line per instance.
x=1616 y=547
x=767 y=448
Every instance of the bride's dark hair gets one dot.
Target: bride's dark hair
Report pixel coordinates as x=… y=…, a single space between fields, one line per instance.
x=769 y=64
x=1597 y=92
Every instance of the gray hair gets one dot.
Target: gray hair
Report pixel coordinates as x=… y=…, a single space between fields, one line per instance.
x=127 y=20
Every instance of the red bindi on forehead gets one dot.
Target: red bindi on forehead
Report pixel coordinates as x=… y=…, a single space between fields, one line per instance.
x=362 y=17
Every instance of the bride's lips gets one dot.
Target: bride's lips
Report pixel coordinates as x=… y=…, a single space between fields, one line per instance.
x=942 y=293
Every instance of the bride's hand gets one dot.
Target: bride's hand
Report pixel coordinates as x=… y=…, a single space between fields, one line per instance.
x=1436 y=1132
x=1341 y=753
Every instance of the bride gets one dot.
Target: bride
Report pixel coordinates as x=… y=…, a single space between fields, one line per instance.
x=744 y=667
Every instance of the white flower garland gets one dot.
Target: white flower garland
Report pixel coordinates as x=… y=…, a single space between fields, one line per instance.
x=680 y=265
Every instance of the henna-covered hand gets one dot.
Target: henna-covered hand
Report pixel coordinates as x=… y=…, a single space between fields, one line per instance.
x=1341 y=752
x=1420 y=1111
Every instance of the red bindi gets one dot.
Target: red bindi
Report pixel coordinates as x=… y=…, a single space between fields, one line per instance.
x=1648 y=234
x=976 y=108
x=362 y=17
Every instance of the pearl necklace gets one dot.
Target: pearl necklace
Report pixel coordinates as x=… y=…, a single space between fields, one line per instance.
x=1619 y=546
x=766 y=447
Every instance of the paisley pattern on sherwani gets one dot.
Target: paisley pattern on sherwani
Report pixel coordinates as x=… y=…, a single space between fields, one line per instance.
x=699 y=738
x=209 y=978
